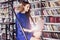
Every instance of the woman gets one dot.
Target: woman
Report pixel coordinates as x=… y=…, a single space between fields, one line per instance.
x=23 y=16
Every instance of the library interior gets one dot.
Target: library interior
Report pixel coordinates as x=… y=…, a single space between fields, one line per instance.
x=29 y=19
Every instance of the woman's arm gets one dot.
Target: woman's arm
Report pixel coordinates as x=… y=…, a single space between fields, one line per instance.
x=27 y=30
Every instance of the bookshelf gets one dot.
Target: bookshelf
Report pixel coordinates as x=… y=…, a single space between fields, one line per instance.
x=7 y=25
x=51 y=25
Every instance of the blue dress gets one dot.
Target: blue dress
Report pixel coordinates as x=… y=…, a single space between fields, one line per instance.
x=24 y=20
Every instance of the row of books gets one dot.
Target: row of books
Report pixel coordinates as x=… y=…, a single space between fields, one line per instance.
x=50 y=4
x=8 y=37
x=35 y=5
x=51 y=27
x=51 y=35
x=51 y=12
x=51 y=19
x=35 y=13
x=45 y=12
x=4 y=5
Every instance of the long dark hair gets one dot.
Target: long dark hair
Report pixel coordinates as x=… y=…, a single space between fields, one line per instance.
x=21 y=9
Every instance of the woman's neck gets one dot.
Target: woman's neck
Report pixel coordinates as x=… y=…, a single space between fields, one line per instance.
x=23 y=12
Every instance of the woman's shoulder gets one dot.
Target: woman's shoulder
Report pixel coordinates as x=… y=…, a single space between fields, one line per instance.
x=18 y=13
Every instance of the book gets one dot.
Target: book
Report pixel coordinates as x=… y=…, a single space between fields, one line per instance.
x=52 y=19
x=54 y=4
x=37 y=12
x=54 y=11
x=58 y=10
x=32 y=5
x=37 y=5
x=50 y=12
x=43 y=4
x=57 y=19
x=47 y=4
x=47 y=19
x=45 y=12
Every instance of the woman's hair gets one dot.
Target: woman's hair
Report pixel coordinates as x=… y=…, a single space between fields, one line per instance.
x=20 y=8
x=22 y=3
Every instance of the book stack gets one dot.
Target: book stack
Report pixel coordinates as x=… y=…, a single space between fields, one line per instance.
x=52 y=19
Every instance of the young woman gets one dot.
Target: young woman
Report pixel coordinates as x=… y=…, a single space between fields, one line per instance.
x=23 y=16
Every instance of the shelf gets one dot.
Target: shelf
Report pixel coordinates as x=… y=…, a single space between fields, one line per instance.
x=51 y=31
x=53 y=23
x=35 y=9
x=37 y=16
x=51 y=8
x=47 y=15
x=34 y=1
x=50 y=0
x=53 y=15
x=5 y=7
x=11 y=23
x=50 y=38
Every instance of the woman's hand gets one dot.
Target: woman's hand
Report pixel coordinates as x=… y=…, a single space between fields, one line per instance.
x=27 y=30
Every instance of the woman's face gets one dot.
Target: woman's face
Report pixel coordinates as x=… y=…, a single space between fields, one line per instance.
x=26 y=7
